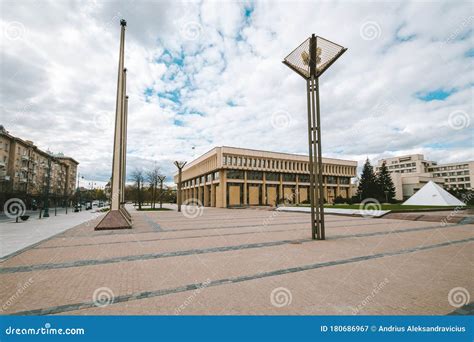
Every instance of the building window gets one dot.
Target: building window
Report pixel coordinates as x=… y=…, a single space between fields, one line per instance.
x=303 y=178
x=255 y=175
x=344 y=180
x=235 y=174
x=289 y=177
x=272 y=176
x=216 y=175
x=331 y=180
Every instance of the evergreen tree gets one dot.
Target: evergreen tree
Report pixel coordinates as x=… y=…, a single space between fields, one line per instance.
x=385 y=184
x=368 y=187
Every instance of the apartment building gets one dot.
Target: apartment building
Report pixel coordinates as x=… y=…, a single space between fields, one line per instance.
x=455 y=175
x=411 y=172
x=229 y=176
x=24 y=169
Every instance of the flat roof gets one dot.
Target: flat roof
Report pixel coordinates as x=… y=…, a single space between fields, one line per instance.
x=271 y=154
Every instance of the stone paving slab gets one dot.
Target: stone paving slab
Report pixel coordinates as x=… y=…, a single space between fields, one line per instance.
x=135 y=246
x=16 y=236
x=133 y=270
x=338 y=290
x=151 y=275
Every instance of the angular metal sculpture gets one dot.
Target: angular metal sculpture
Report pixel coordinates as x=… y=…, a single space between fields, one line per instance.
x=118 y=217
x=310 y=60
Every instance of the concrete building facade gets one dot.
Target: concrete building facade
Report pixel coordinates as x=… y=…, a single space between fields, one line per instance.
x=24 y=168
x=455 y=175
x=229 y=176
x=411 y=172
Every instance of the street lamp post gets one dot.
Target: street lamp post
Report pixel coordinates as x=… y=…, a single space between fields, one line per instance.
x=46 y=192
x=79 y=190
x=179 y=165
x=309 y=60
x=161 y=179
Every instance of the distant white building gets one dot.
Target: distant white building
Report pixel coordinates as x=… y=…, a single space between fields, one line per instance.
x=411 y=172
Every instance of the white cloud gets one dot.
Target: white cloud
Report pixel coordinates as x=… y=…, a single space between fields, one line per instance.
x=220 y=78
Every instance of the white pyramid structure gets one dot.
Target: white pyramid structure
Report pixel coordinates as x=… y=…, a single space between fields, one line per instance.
x=432 y=194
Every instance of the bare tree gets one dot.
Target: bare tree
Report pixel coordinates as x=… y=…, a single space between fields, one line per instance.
x=138 y=177
x=152 y=178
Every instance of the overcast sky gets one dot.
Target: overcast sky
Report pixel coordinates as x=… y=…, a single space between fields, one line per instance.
x=206 y=74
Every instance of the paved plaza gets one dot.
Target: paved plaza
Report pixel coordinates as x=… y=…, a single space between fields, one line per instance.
x=210 y=261
x=18 y=235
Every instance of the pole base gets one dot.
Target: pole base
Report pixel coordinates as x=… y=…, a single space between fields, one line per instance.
x=115 y=219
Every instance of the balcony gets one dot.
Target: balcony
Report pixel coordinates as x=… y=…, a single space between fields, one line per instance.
x=25 y=157
x=3 y=164
x=24 y=168
x=23 y=180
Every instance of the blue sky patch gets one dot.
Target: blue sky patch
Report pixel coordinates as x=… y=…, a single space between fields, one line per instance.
x=174 y=96
x=438 y=94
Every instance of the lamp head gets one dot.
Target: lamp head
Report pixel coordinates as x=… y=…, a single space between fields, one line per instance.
x=313 y=57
